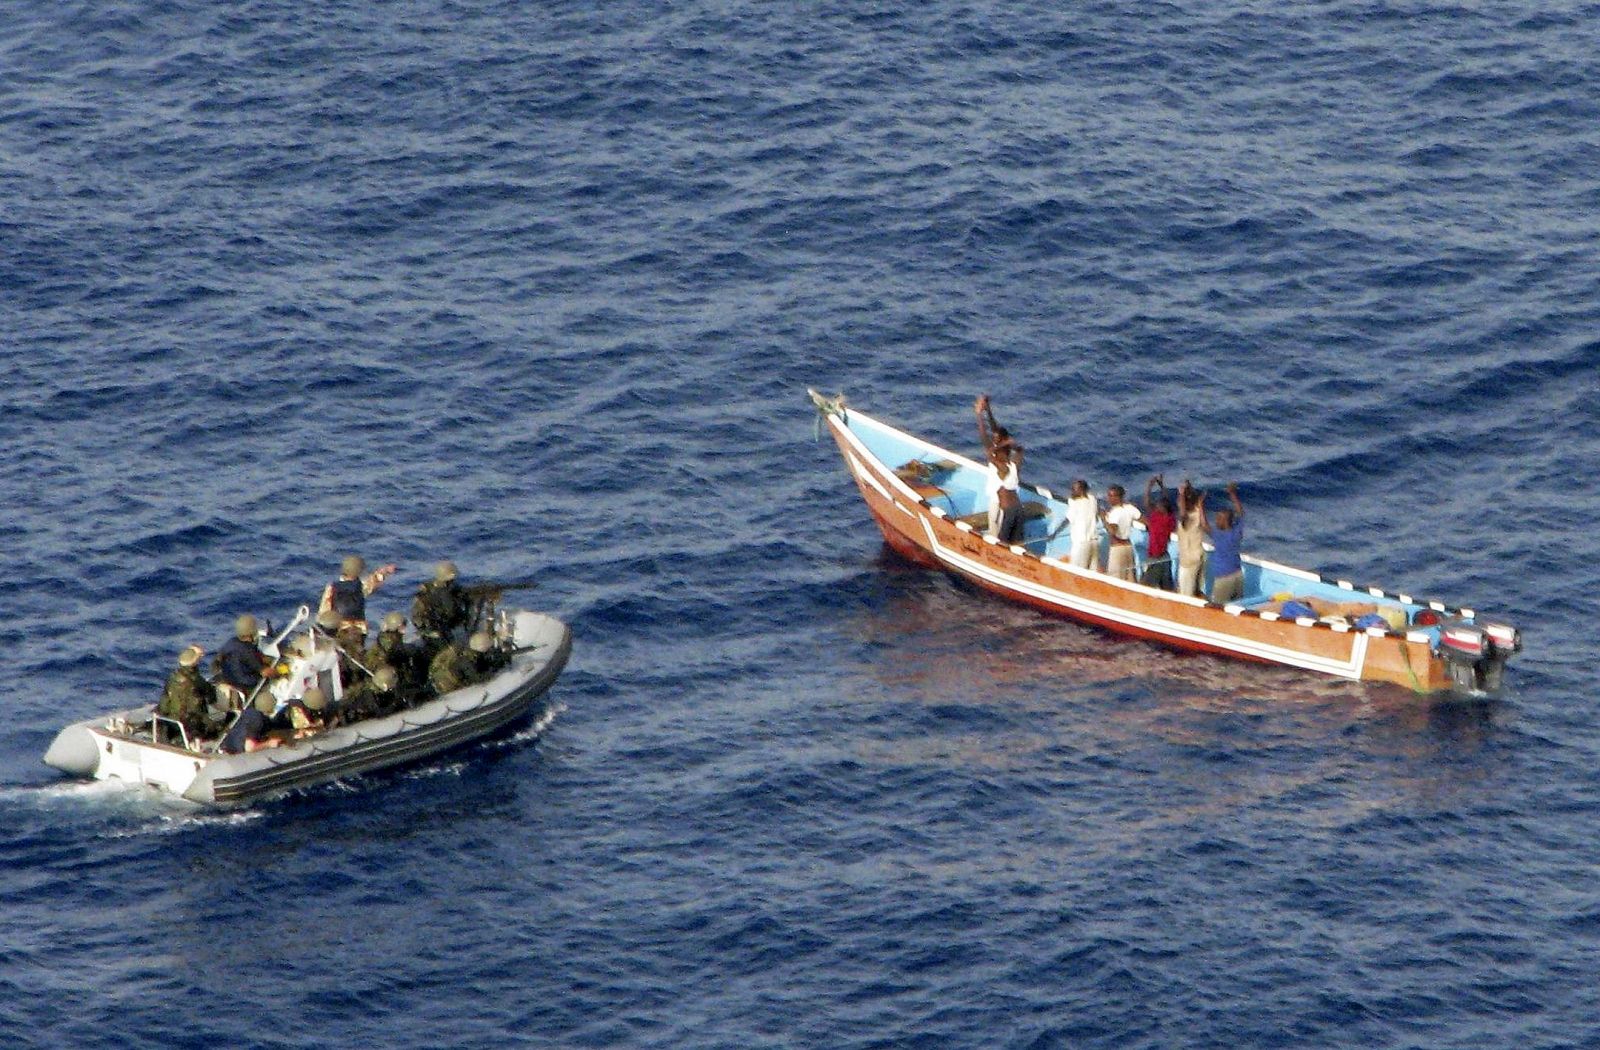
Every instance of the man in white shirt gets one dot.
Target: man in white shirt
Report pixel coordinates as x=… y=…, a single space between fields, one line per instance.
x=1083 y=511
x=1119 y=517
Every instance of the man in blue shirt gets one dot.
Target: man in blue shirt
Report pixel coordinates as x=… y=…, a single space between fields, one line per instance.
x=240 y=662
x=1227 y=572
x=252 y=730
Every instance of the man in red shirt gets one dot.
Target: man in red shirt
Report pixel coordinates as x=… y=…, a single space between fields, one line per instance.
x=1159 y=520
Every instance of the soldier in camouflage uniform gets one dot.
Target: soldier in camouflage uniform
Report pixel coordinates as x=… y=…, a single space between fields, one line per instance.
x=346 y=638
x=327 y=623
x=441 y=608
x=385 y=691
x=458 y=666
x=371 y=697
x=346 y=635
x=392 y=650
x=188 y=697
x=350 y=638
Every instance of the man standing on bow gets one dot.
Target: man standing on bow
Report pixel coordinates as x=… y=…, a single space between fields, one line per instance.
x=1004 y=458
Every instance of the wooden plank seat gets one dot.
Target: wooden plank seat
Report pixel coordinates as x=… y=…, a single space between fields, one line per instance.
x=919 y=474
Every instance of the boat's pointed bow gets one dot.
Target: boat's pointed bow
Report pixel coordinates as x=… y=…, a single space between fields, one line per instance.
x=827 y=406
x=74 y=751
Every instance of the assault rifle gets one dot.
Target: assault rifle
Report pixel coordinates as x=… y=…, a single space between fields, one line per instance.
x=495 y=588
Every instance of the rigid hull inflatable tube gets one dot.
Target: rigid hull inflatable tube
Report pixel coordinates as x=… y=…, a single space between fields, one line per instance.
x=384 y=743
x=74 y=750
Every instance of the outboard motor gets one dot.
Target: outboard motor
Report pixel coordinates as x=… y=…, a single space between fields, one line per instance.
x=1476 y=653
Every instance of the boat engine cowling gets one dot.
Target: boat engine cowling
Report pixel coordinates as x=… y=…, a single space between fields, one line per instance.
x=1476 y=653
x=1506 y=639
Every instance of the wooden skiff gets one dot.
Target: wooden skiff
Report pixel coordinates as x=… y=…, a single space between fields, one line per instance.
x=929 y=503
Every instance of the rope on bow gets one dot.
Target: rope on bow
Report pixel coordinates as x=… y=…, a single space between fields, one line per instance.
x=826 y=406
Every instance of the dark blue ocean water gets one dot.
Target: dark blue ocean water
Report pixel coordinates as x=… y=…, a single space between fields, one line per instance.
x=539 y=287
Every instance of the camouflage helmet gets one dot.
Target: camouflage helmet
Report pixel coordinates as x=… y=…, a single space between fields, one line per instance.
x=245 y=628
x=481 y=642
x=314 y=699
x=352 y=565
x=266 y=703
x=386 y=679
x=328 y=620
x=394 y=622
x=190 y=656
x=444 y=572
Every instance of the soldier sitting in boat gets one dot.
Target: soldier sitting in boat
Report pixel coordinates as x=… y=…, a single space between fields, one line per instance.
x=371 y=697
x=346 y=597
x=458 y=666
x=187 y=699
x=493 y=661
x=392 y=650
x=253 y=729
x=346 y=639
x=240 y=663
x=348 y=636
x=308 y=714
x=440 y=608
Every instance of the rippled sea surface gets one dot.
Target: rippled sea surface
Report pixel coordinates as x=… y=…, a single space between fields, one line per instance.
x=540 y=287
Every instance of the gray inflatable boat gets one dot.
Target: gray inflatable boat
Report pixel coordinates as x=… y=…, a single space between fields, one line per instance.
x=123 y=745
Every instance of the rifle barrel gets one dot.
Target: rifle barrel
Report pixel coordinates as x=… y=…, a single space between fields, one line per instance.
x=495 y=587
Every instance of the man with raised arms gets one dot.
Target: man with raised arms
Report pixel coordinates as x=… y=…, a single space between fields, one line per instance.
x=1159 y=521
x=1190 y=531
x=1227 y=533
x=1004 y=458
